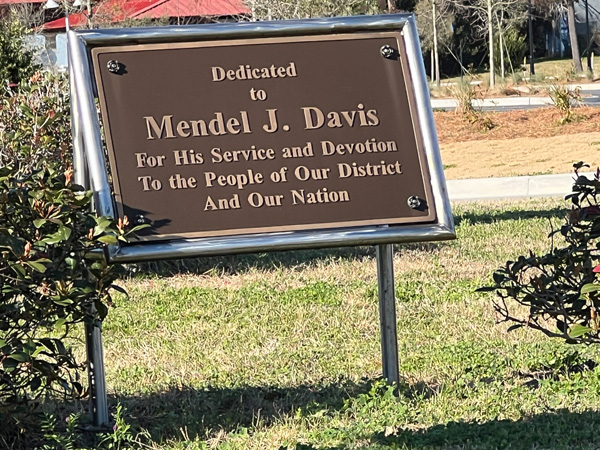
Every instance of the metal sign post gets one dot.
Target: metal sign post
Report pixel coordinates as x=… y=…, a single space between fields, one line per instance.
x=96 y=376
x=387 y=313
x=93 y=329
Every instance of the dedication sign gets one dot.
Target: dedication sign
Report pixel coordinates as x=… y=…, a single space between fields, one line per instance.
x=259 y=136
x=243 y=136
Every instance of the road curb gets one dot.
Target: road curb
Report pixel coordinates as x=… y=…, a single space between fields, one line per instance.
x=510 y=101
x=437 y=103
x=477 y=189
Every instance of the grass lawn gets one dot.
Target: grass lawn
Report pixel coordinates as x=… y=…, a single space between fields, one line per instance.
x=547 y=70
x=555 y=68
x=282 y=350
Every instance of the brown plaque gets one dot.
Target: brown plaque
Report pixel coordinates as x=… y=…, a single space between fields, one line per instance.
x=263 y=135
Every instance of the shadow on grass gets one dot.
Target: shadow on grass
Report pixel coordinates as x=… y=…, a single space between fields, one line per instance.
x=237 y=264
x=198 y=412
x=557 y=430
x=491 y=216
x=187 y=413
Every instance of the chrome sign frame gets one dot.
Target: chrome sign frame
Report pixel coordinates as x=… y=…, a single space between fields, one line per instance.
x=90 y=156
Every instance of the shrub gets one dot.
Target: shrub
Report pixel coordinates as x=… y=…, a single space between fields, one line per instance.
x=555 y=293
x=515 y=48
x=517 y=77
x=34 y=122
x=15 y=62
x=50 y=281
x=465 y=94
x=537 y=77
x=565 y=99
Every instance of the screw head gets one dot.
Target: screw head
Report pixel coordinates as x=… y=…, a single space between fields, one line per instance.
x=414 y=202
x=140 y=219
x=113 y=66
x=387 y=51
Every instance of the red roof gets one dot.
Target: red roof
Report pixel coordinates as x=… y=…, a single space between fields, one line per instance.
x=111 y=11
x=20 y=2
x=190 y=8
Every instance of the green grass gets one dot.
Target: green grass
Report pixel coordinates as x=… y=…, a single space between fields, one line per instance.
x=547 y=70
x=282 y=350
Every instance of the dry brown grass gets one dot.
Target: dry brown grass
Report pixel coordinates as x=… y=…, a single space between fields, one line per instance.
x=524 y=156
x=521 y=143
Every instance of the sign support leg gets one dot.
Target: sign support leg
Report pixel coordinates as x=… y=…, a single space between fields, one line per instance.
x=93 y=330
x=387 y=312
x=96 y=376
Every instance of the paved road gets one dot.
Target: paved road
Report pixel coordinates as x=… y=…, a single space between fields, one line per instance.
x=590 y=97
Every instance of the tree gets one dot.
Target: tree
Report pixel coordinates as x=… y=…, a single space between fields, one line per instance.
x=305 y=9
x=573 y=36
x=434 y=22
x=15 y=63
x=486 y=16
x=514 y=48
x=554 y=8
x=508 y=35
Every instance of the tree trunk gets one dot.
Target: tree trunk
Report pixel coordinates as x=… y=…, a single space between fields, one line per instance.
x=491 y=44
x=573 y=37
x=555 y=44
x=435 y=46
x=501 y=42
x=252 y=7
x=432 y=67
x=502 y=49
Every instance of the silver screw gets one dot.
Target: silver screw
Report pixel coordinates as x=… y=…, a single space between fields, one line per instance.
x=414 y=202
x=387 y=51
x=113 y=66
x=140 y=220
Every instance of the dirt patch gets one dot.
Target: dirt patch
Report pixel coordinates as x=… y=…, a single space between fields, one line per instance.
x=521 y=143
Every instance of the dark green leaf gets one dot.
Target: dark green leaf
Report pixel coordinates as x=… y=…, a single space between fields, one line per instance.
x=139 y=227
x=486 y=289
x=119 y=289
x=103 y=223
x=19 y=356
x=108 y=239
x=37 y=266
x=578 y=330
x=17 y=246
x=590 y=287
x=35 y=383
x=61 y=235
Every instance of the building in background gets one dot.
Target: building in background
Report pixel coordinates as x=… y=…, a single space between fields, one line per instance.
x=111 y=13
x=49 y=18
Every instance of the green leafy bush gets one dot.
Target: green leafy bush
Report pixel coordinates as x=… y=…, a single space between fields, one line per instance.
x=565 y=99
x=35 y=122
x=555 y=293
x=16 y=63
x=51 y=279
x=515 y=48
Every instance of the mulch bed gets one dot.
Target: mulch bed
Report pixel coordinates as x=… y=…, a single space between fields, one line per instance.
x=532 y=123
